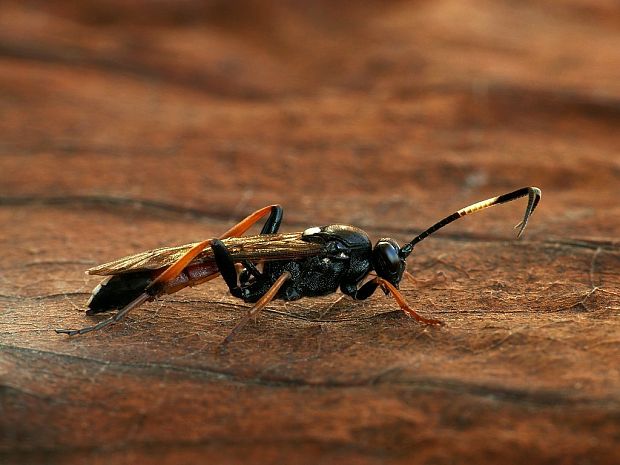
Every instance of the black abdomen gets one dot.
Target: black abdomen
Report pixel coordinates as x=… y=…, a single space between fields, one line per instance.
x=118 y=291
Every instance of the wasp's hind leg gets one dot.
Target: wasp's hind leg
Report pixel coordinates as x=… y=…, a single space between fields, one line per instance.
x=271 y=226
x=238 y=283
x=152 y=291
x=226 y=266
x=155 y=288
x=113 y=319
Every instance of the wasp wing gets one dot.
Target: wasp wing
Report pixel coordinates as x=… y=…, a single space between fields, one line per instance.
x=253 y=248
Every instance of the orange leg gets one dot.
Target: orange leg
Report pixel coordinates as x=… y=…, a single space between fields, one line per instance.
x=153 y=289
x=258 y=306
x=175 y=269
x=403 y=304
x=113 y=319
x=247 y=223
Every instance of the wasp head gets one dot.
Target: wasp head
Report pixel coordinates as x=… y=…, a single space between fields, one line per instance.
x=387 y=261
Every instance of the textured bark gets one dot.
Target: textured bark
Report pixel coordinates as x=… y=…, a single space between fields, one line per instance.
x=126 y=126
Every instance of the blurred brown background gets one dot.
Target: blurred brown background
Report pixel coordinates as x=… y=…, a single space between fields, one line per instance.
x=128 y=125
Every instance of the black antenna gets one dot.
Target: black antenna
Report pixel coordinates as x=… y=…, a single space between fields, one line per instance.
x=534 y=194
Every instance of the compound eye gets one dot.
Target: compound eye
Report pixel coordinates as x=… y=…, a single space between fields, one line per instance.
x=387 y=262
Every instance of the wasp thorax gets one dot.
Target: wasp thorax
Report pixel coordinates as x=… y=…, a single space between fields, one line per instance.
x=387 y=262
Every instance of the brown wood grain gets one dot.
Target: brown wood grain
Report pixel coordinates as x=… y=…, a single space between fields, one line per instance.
x=126 y=126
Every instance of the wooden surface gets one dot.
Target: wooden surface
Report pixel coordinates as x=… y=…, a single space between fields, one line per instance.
x=132 y=125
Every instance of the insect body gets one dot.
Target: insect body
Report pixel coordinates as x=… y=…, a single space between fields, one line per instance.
x=258 y=269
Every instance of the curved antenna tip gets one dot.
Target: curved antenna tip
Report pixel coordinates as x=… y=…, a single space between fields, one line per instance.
x=535 y=194
x=521 y=226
